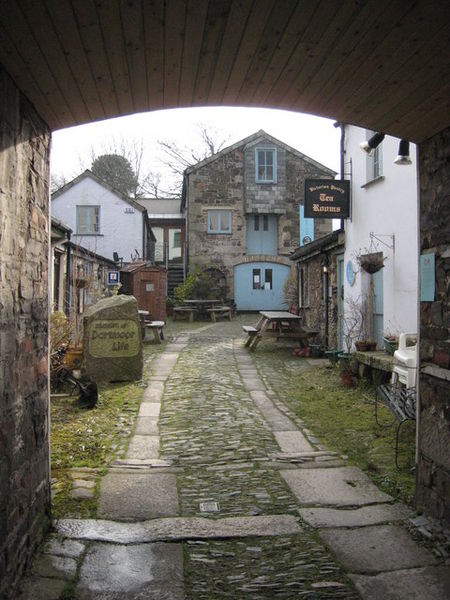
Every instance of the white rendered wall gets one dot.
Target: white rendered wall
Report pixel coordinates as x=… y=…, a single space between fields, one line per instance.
x=120 y=231
x=385 y=207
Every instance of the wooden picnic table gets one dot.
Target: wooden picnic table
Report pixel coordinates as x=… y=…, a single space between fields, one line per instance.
x=278 y=325
x=201 y=305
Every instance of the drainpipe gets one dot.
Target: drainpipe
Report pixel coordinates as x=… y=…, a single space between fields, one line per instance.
x=342 y=155
x=68 y=266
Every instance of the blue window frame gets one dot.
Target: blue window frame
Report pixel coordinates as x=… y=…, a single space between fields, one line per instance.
x=219 y=221
x=266 y=165
x=88 y=220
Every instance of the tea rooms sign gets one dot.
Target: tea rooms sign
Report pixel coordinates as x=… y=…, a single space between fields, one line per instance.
x=327 y=199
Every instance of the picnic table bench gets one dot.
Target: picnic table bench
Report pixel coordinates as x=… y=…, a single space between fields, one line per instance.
x=401 y=401
x=222 y=311
x=279 y=325
x=188 y=311
x=157 y=328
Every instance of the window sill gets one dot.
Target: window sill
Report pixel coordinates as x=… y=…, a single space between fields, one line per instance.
x=219 y=232
x=266 y=182
x=373 y=181
x=88 y=234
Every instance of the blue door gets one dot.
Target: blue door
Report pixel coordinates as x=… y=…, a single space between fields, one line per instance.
x=377 y=307
x=262 y=234
x=259 y=286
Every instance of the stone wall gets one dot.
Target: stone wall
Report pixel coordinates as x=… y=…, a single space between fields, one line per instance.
x=228 y=183
x=24 y=449
x=314 y=313
x=433 y=478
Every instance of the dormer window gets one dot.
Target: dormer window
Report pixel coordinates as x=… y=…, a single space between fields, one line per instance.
x=266 y=165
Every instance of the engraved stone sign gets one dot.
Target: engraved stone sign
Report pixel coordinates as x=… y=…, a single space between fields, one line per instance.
x=112 y=340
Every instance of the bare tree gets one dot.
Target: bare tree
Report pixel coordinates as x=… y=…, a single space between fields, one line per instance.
x=57 y=181
x=179 y=158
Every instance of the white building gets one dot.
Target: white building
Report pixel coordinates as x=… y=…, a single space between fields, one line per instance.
x=383 y=219
x=102 y=219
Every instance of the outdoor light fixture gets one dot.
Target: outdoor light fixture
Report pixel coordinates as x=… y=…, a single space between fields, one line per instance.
x=403 y=157
x=369 y=145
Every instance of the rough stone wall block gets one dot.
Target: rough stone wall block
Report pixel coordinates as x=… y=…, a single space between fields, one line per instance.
x=24 y=456
x=433 y=477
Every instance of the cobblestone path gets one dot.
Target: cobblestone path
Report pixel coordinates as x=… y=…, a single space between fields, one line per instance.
x=224 y=494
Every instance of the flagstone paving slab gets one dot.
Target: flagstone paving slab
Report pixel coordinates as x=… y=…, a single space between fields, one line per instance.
x=143 y=447
x=366 y=515
x=60 y=567
x=149 y=409
x=292 y=441
x=429 y=583
x=146 y=571
x=154 y=392
x=177 y=528
x=339 y=486
x=138 y=496
x=146 y=426
x=376 y=548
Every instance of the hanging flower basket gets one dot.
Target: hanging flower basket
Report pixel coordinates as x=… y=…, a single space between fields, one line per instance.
x=371 y=263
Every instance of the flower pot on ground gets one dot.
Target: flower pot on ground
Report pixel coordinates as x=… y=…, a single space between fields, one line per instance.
x=347 y=378
x=73 y=357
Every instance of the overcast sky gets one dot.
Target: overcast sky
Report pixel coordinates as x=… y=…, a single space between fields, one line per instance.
x=314 y=136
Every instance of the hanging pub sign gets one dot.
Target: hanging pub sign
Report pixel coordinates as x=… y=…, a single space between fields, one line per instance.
x=327 y=198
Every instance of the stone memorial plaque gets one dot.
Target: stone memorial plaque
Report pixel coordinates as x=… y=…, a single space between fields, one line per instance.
x=114 y=338
x=112 y=344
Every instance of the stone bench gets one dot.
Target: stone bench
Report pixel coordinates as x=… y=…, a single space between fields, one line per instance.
x=189 y=311
x=157 y=328
x=219 y=311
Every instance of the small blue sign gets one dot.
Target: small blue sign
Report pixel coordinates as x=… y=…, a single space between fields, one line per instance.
x=113 y=278
x=350 y=272
x=427 y=277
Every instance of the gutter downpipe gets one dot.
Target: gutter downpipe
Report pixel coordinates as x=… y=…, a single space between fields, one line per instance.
x=68 y=266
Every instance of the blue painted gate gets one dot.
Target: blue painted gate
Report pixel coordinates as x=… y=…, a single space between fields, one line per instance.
x=259 y=286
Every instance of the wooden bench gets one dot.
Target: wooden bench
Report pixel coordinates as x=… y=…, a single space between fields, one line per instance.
x=157 y=328
x=222 y=311
x=401 y=401
x=251 y=332
x=189 y=311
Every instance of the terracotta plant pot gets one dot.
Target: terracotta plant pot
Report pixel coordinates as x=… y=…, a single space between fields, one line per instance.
x=73 y=358
x=361 y=346
x=347 y=378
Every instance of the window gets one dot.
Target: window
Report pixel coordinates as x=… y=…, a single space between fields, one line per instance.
x=265 y=221
x=375 y=161
x=268 y=279
x=219 y=221
x=266 y=165
x=177 y=239
x=88 y=220
x=256 y=279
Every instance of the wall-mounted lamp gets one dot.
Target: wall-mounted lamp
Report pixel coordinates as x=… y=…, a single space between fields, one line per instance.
x=369 y=145
x=403 y=157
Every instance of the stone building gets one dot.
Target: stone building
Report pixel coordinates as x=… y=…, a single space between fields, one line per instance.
x=320 y=285
x=243 y=209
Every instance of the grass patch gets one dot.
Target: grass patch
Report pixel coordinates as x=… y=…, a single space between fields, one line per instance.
x=89 y=438
x=343 y=419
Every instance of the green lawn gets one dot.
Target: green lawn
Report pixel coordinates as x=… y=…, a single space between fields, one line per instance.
x=343 y=419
